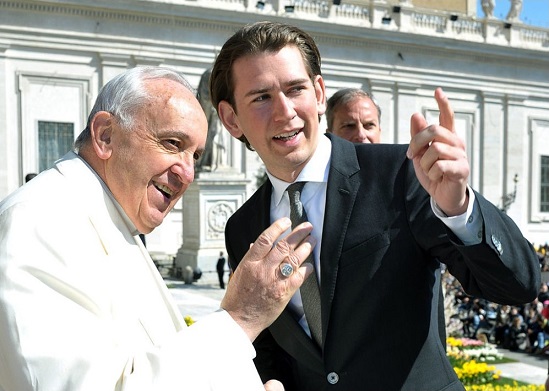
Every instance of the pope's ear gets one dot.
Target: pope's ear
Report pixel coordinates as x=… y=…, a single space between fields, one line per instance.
x=101 y=128
x=229 y=118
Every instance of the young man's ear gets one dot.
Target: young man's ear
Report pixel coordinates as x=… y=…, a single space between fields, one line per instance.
x=229 y=119
x=320 y=91
x=101 y=129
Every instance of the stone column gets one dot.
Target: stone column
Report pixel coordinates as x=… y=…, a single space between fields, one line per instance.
x=207 y=205
x=516 y=147
x=402 y=14
x=9 y=178
x=384 y=92
x=406 y=103
x=496 y=31
x=492 y=145
x=379 y=9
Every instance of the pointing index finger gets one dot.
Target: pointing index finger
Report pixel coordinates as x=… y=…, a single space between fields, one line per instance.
x=446 y=116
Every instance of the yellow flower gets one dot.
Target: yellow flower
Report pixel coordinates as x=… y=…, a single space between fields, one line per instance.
x=188 y=320
x=479 y=376
x=455 y=342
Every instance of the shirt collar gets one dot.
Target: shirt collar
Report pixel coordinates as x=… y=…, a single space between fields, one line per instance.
x=125 y=217
x=316 y=170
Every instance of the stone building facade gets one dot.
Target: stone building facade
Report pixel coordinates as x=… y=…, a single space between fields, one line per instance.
x=56 y=55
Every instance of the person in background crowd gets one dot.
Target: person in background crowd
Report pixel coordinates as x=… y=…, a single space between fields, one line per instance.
x=536 y=336
x=517 y=338
x=543 y=294
x=543 y=255
x=545 y=309
x=82 y=306
x=384 y=217
x=503 y=322
x=543 y=335
x=220 y=267
x=355 y=115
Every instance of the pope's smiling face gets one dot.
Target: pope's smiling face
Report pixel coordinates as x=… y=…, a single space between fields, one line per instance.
x=151 y=165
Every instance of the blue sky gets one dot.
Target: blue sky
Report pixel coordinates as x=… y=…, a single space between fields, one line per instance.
x=534 y=12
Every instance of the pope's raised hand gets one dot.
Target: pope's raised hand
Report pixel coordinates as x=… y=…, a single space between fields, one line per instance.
x=258 y=290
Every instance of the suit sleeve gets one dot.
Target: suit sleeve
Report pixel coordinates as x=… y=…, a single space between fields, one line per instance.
x=503 y=268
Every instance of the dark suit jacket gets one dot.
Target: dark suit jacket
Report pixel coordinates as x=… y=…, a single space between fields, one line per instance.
x=380 y=278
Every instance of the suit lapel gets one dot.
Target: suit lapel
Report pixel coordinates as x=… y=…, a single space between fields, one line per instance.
x=292 y=338
x=285 y=329
x=260 y=219
x=342 y=190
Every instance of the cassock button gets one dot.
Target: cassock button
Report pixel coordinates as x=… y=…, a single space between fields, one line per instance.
x=332 y=377
x=497 y=244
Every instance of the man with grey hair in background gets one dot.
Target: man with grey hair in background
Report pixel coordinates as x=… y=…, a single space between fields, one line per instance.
x=82 y=306
x=355 y=115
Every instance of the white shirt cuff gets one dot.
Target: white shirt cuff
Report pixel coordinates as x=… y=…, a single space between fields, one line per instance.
x=467 y=226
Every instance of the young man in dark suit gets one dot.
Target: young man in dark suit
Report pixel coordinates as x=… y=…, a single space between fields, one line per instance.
x=384 y=217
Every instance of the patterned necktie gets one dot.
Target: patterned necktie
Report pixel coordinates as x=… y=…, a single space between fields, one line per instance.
x=310 y=291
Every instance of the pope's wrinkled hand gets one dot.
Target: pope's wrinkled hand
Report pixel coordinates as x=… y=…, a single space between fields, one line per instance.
x=258 y=291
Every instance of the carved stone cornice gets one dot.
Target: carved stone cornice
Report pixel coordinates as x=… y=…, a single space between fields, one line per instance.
x=134 y=15
x=3 y=48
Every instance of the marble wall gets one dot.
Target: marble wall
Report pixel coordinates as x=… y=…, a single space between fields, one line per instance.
x=54 y=57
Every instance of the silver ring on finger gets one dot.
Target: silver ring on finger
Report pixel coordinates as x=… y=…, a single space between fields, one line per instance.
x=286 y=269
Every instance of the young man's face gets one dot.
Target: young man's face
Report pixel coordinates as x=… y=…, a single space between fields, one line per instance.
x=357 y=121
x=276 y=108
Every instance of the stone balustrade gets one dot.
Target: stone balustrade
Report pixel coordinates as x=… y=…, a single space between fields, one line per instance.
x=379 y=14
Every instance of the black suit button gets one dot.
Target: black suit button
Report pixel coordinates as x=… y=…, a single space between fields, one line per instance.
x=332 y=377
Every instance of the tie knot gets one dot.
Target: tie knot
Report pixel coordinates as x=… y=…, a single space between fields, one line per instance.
x=295 y=189
x=297 y=213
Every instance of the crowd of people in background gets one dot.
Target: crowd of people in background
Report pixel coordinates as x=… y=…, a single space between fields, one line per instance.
x=517 y=328
x=543 y=254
